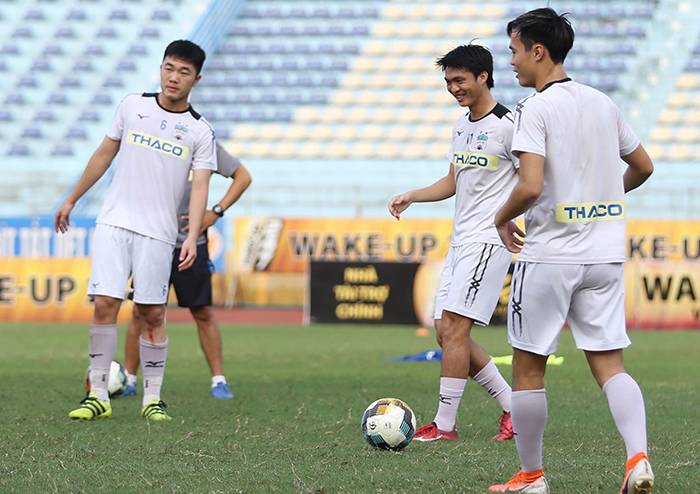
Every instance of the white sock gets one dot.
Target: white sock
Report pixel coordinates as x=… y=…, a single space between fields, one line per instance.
x=451 y=391
x=492 y=381
x=529 y=416
x=153 y=357
x=627 y=407
x=217 y=380
x=131 y=379
x=103 y=347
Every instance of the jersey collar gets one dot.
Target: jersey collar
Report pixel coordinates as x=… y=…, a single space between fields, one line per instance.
x=568 y=79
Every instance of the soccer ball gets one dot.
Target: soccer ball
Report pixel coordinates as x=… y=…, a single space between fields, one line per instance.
x=388 y=424
x=117 y=379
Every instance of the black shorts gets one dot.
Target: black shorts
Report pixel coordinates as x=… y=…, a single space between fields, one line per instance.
x=193 y=285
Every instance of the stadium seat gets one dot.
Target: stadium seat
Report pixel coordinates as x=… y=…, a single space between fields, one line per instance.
x=679 y=153
x=688 y=134
x=669 y=117
x=661 y=134
x=687 y=81
x=692 y=117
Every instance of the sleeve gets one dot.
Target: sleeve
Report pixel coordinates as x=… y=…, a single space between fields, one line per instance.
x=530 y=129
x=628 y=139
x=204 y=155
x=116 y=129
x=226 y=164
x=508 y=127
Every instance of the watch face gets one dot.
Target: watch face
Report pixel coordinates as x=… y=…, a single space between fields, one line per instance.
x=218 y=210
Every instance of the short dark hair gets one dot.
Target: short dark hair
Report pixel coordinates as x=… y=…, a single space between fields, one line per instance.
x=187 y=51
x=546 y=27
x=472 y=58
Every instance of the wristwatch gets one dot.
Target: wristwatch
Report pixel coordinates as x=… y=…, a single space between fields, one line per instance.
x=218 y=210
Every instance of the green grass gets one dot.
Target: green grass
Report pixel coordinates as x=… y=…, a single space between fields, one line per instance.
x=294 y=424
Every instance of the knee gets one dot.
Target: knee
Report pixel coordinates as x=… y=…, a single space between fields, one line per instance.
x=203 y=314
x=106 y=310
x=152 y=315
x=452 y=332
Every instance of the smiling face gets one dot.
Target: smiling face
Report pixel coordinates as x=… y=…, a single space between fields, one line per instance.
x=177 y=78
x=523 y=60
x=465 y=88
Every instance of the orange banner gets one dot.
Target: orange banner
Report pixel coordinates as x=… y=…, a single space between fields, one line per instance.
x=47 y=290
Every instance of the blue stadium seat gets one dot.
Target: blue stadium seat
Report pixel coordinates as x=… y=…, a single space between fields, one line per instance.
x=95 y=50
x=113 y=81
x=27 y=81
x=83 y=65
x=53 y=50
x=9 y=49
x=57 y=98
x=138 y=50
x=65 y=33
x=107 y=32
x=101 y=99
x=41 y=65
x=45 y=115
x=149 y=32
x=32 y=132
x=22 y=32
x=6 y=116
x=76 y=133
x=119 y=15
x=126 y=65
x=15 y=99
x=161 y=15
x=71 y=81
x=89 y=116
x=62 y=149
x=34 y=15
x=18 y=149
x=76 y=15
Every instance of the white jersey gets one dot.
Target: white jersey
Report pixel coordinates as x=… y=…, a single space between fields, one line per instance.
x=158 y=149
x=226 y=165
x=485 y=174
x=580 y=216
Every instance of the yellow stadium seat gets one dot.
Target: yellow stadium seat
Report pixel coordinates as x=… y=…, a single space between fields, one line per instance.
x=271 y=132
x=688 y=134
x=484 y=29
x=245 y=132
x=467 y=11
x=343 y=97
x=410 y=30
x=436 y=115
x=346 y=132
x=415 y=64
x=426 y=47
x=692 y=117
x=385 y=30
x=687 y=81
x=388 y=150
x=372 y=133
x=284 y=149
x=444 y=133
x=414 y=150
x=362 y=150
x=404 y=82
x=429 y=80
x=235 y=148
x=492 y=12
x=442 y=12
x=297 y=133
x=457 y=30
x=310 y=150
x=678 y=99
x=433 y=30
x=661 y=134
x=357 y=115
x=669 y=117
x=424 y=133
x=388 y=64
x=418 y=12
x=679 y=152
x=353 y=80
x=696 y=156
x=321 y=133
x=332 y=114
x=367 y=98
x=420 y=98
x=384 y=115
x=337 y=150
x=437 y=151
x=393 y=12
x=400 y=48
x=363 y=64
x=374 y=48
x=379 y=80
x=394 y=98
x=306 y=114
x=399 y=132
x=409 y=115
x=656 y=152
x=696 y=99
x=258 y=149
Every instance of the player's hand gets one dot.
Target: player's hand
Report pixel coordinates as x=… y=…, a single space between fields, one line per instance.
x=62 y=218
x=188 y=253
x=511 y=236
x=210 y=218
x=399 y=204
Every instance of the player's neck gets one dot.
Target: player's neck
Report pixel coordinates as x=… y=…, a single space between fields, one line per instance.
x=173 y=106
x=482 y=107
x=552 y=74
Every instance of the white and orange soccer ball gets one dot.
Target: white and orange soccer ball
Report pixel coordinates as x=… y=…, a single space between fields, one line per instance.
x=117 y=379
x=388 y=423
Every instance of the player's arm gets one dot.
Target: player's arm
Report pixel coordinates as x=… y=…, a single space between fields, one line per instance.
x=96 y=167
x=639 y=169
x=198 y=203
x=241 y=181
x=522 y=198
x=440 y=190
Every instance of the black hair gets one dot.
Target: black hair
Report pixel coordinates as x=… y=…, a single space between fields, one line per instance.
x=544 y=26
x=472 y=58
x=186 y=51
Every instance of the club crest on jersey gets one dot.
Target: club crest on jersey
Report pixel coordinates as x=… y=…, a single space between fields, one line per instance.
x=180 y=132
x=158 y=144
x=482 y=140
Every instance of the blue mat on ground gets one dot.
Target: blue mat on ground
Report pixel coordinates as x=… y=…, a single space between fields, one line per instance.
x=436 y=356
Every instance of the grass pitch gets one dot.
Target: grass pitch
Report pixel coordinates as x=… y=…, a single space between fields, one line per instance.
x=294 y=423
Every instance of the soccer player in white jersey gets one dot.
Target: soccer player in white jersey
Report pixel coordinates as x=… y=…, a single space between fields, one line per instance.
x=160 y=140
x=481 y=175
x=193 y=286
x=569 y=138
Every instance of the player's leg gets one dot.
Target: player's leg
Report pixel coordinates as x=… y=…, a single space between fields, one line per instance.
x=152 y=264
x=110 y=269
x=538 y=306
x=131 y=351
x=210 y=340
x=597 y=321
x=485 y=373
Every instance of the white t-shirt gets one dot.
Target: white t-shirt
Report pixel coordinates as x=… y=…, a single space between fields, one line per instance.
x=580 y=216
x=226 y=165
x=485 y=174
x=158 y=149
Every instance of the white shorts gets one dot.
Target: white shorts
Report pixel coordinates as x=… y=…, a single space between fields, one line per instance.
x=591 y=298
x=472 y=280
x=118 y=254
